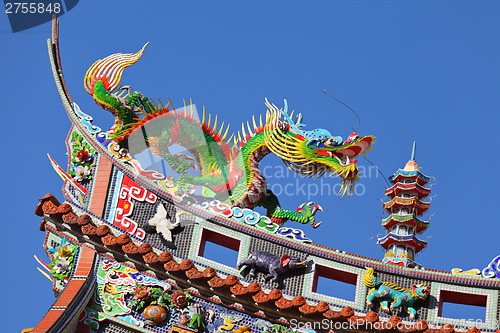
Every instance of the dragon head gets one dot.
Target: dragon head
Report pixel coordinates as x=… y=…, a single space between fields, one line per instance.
x=316 y=152
x=421 y=290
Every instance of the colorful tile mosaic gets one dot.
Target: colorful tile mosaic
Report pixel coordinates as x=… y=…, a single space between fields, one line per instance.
x=221 y=299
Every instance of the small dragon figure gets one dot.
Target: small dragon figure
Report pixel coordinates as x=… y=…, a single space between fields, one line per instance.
x=392 y=296
x=227 y=173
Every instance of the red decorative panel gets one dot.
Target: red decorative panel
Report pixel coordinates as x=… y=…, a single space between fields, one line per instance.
x=129 y=192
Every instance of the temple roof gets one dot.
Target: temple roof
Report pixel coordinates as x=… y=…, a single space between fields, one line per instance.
x=417 y=176
x=411 y=240
x=106 y=239
x=399 y=188
x=420 y=207
x=410 y=171
x=394 y=219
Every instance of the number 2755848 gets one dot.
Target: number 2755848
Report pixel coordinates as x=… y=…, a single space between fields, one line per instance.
x=32 y=8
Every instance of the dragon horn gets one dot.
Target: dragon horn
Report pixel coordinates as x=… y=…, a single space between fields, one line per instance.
x=299 y=119
x=288 y=119
x=128 y=89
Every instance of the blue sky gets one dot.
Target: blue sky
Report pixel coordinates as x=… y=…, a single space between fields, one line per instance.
x=428 y=72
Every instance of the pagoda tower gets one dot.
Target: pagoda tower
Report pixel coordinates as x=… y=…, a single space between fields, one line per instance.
x=405 y=206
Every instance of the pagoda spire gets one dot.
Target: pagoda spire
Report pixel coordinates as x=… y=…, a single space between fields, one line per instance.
x=406 y=204
x=414 y=149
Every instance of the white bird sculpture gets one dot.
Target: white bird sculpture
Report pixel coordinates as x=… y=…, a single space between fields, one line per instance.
x=162 y=223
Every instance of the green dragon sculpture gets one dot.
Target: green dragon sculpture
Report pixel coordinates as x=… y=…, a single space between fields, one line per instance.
x=227 y=173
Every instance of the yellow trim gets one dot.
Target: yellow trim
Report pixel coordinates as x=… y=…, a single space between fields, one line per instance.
x=112 y=68
x=45 y=274
x=407 y=255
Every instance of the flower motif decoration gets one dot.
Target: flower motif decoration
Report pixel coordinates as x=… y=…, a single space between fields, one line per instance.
x=82 y=159
x=83 y=156
x=62 y=266
x=81 y=173
x=179 y=299
x=63 y=262
x=64 y=251
x=145 y=296
x=142 y=293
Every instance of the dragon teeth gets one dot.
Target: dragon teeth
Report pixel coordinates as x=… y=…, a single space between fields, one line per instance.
x=341 y=163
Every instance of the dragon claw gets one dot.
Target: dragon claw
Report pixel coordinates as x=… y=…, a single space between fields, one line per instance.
x=310 y=207
x=185 y=162
x=316 y=208
x=315 y=225
x=128 y=88
x=308 y=210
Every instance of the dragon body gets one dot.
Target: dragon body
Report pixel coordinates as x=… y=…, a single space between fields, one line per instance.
x=229 y=173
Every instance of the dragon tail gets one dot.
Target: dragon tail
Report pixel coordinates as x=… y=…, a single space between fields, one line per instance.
x=110 y=69
x=369 y=278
